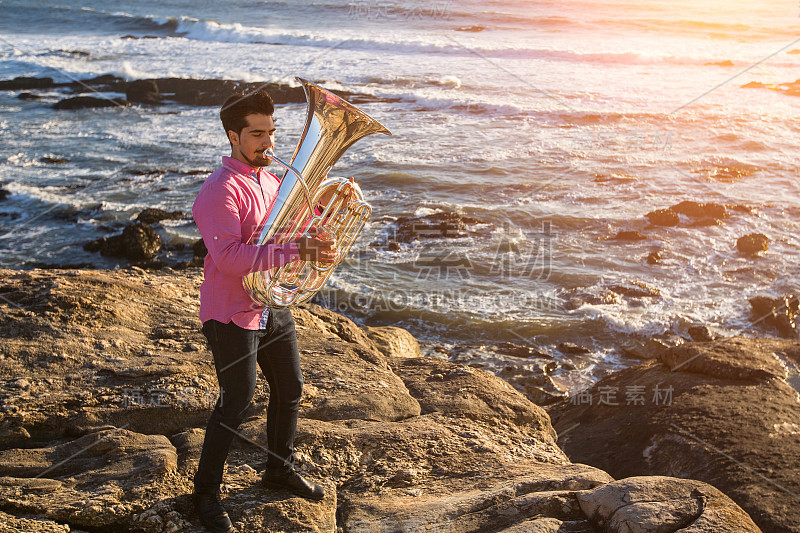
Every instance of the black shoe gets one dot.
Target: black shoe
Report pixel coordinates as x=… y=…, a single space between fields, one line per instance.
x=212 y=514
x=292 y=481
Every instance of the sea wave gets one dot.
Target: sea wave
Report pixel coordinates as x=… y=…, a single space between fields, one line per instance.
x=709 y=29
x=398 y=42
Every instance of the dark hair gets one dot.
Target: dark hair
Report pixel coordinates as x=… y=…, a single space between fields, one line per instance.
x=239 y=105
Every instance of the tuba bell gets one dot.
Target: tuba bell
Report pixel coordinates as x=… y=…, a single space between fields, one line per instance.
x=332 y=126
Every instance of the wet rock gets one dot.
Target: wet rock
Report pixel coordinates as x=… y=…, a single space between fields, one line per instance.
x=650 y=504
x=757 y=85
x=636 y=289
x=779 y=313
x=749 y=210
x=700 y=334
x=177 y=90
x=728 y=173
x=753 y=244
x=70 y=53
x=21 y=83
x=711 y=411
x=519 y=350
x=144 y=171
x=137 y=242
x=700 y=210
x=570 y=348
x=53 y=160
x=28 y=96
x=104 y=82
x=705 y=222
x=663 y=217
x=629 y=236
x=152 y=215
x=143 y=92
x=654 y=258
x=435 y=226
x=4 y=194
x=199 y=249
x=140 y=242
x=86 y=102
x=214 y=92
x=792 y=89
x=577 y=297
x=702 y=214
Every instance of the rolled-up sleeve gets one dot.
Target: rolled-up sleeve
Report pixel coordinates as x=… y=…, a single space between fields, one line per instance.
x=216 y=213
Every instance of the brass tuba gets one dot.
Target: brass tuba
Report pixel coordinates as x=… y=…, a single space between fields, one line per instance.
x=332 y=126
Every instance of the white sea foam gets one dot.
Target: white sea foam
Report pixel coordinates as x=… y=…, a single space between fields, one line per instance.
x=129 y=72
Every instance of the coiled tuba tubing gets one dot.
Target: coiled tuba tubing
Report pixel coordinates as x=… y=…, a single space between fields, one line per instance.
x=332 y=126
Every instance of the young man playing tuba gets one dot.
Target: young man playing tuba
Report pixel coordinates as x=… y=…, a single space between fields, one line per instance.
x=231 y=205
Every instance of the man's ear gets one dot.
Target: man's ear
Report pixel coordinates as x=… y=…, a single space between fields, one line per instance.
x=233 y=137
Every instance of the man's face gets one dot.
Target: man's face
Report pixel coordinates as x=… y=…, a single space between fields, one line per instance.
x=249 y=145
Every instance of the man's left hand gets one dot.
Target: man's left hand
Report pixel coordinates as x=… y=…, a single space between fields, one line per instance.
x=326 y=198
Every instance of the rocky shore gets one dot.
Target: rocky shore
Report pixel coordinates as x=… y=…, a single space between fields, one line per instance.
x=89 y=93
x=726 y=412
x=106 y=385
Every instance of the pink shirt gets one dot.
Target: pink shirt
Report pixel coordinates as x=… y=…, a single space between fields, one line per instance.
x=229 y=210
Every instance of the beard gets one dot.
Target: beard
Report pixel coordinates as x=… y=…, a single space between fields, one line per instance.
x=258 y=160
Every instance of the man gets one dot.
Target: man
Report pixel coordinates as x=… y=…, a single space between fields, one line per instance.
x=231 y=205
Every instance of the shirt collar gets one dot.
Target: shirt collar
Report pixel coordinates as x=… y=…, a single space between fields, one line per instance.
x=240 y=167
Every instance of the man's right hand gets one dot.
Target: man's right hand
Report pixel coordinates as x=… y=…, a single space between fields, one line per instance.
x=316 y=249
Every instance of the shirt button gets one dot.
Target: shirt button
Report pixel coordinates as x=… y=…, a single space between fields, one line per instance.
x=215 y=237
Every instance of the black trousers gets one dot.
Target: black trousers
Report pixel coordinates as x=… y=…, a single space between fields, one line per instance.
x=236 y=352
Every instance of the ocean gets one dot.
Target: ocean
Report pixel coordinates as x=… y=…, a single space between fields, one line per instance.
x=546 y=128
